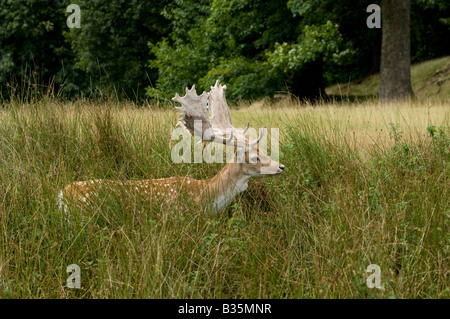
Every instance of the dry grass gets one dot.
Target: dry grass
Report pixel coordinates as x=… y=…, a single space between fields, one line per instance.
x=364 y=124
x=364 y=183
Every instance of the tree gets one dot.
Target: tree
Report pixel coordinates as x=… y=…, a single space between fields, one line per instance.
x=32 y=47
x=395 y=67
x=260 y=47
x=221 y=39
x=303 y=59
x=430 y=21
x=256 y=47
x=112 y=44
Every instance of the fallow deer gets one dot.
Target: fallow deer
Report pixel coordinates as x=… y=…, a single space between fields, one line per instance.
x=213 y=194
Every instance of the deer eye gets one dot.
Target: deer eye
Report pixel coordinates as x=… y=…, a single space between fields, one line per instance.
x=254 y=159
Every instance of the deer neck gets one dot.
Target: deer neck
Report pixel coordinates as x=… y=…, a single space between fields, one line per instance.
x=230 y=181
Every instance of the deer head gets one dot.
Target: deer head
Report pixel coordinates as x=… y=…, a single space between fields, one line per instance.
x=217 y=124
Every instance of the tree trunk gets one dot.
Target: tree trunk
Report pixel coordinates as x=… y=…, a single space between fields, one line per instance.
x=395 y=66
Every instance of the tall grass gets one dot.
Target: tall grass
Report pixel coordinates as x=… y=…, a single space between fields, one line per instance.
x=364 y=184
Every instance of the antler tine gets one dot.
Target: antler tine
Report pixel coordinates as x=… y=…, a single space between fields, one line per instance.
x=191 y=90
x=218 y=107
x=226 y=141
x=217 y=84
x=246 y=129
x=254 y=142
x=244 y=143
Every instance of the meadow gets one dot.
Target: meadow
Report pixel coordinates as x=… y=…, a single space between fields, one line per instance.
x=365 y=183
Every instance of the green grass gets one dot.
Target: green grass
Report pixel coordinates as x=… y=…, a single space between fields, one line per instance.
x=364 y=184
x=428 y=79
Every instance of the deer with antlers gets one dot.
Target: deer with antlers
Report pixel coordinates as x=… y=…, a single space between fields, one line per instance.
x=215 y=193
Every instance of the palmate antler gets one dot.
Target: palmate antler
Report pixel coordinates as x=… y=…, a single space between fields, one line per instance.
x=195 y=118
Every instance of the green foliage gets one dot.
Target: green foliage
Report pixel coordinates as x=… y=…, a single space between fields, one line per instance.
x=112 y=44
x=177 y=68
x=316 y=42
x=256 y=47
x=429 y=18
x=132 y=49
x=247 y=78
x=32 y=47
x=228 y=40
x=180 y=59
x=441 y=140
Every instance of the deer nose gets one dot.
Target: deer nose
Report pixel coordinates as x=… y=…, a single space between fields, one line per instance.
x=282 y=167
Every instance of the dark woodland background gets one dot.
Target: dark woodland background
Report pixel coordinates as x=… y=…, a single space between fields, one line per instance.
x=150 y=49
